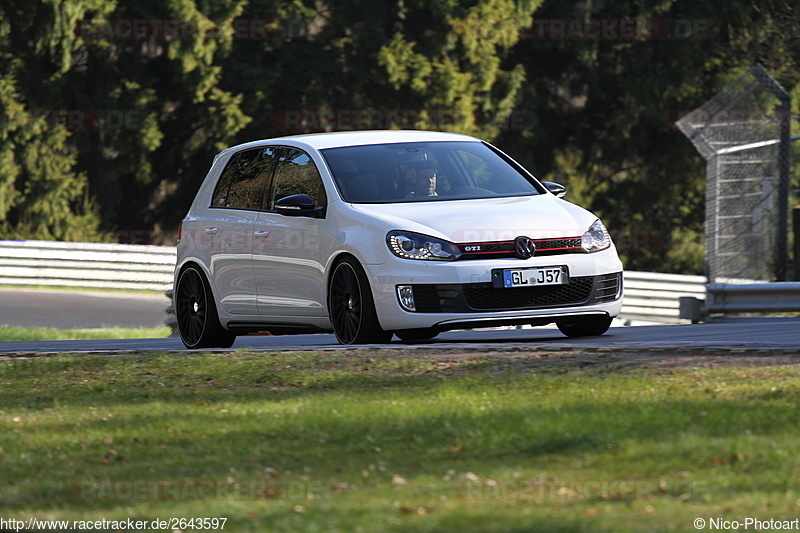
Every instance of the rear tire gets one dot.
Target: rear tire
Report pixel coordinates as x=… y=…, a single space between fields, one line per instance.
x=418 y=334
x=351 y=307
x=196 y=312
x=585 y=327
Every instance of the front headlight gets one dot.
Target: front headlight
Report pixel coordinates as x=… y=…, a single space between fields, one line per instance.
x=409 y=245
x=596 y=238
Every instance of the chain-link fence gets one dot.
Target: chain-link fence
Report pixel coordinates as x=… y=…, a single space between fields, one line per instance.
x=744 y=135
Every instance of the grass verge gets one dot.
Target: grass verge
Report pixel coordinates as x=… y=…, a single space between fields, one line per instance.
x=333 y=442
x=19 y=333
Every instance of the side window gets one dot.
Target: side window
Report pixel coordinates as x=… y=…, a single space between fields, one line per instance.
x=243 y=183
x=295 y=173
x=220 y=197
x=247 y=188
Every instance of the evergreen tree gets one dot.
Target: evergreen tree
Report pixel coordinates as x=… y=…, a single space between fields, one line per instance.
x=42 y=193
x=98 y=99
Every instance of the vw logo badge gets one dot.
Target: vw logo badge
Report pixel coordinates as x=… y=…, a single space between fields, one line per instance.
x=524 y=247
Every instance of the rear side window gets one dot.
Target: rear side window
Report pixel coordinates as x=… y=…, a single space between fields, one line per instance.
x=295 y=173
x=243 y=183
x=220 y=198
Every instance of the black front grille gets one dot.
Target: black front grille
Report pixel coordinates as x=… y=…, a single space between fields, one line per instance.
x=487 y=248
x=552 y=245
x=476 y=297
x=577 y=291
x=502 y=249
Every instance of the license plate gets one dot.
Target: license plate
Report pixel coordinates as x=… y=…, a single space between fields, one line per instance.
x=535 y=277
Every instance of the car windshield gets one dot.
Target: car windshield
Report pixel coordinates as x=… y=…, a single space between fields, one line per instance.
x=425 y=172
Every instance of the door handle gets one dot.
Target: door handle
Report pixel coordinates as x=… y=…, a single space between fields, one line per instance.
x=261 y=234
x=212 y=231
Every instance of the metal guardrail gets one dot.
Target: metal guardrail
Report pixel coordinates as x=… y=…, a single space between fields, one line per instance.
x=753 y=298
x=172 y=318
x=649 y=296
x=655 y=297
x=89 y=265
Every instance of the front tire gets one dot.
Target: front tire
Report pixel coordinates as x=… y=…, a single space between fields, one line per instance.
x=585 y=327
x=198 y=322
x=418 y=334
x=351 y=307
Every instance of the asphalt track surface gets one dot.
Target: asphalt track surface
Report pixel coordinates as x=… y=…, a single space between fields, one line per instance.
x=771 y=336
x=77 y=309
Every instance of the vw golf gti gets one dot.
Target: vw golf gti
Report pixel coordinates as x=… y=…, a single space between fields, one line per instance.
x=371 y=234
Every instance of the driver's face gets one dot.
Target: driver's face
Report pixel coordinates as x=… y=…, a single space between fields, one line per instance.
x=426 y=182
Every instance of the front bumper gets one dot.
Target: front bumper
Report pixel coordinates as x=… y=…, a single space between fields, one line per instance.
x=461 y=294
x=483 y=297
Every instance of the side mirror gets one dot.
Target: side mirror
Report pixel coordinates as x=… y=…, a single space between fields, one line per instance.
x=556 y=188
x=299 y=205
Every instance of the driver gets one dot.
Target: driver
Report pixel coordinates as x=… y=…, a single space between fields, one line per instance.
x=422 y=180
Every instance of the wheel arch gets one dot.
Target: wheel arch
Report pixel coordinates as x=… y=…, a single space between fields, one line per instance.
x=369 y=328
x=191 y=262
x=213 y=333
x=333 y=262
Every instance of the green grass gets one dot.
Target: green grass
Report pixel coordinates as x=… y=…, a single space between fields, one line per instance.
x=18 y=333
x=348 y=442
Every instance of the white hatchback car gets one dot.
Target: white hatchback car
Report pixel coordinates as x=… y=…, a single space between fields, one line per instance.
x=374 y=233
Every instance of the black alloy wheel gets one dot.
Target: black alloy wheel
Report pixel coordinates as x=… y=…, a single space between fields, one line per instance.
x=585 y=327
x=418 y=334
x=351 y=307
x=198 y=322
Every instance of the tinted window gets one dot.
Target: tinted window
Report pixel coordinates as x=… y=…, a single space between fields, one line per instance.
x=295 y=173
x=400 y=172
x=243 y=183
x=248 y=187
x=220 y=198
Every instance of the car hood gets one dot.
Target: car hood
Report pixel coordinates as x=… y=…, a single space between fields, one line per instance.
x=486 y=220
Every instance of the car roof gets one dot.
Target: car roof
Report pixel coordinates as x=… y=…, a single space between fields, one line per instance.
x=321 y=141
